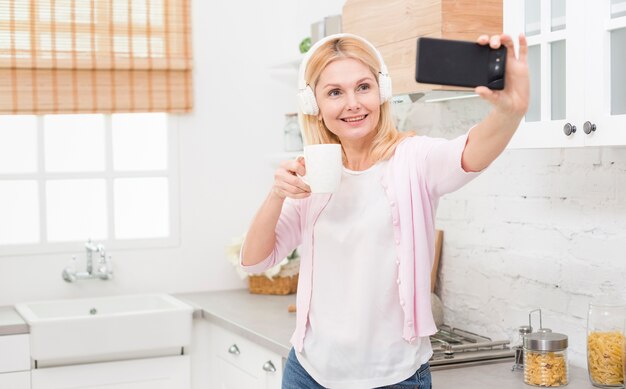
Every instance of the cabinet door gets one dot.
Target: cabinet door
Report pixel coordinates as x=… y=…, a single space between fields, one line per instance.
x=14 y=353
x=554 y=31
x=19 y=380
x=154 y=373
x=605 y=59
x=240 y=363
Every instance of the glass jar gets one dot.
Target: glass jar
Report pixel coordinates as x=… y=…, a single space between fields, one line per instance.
x=518 y=346
x=291 y=133
x=605 y=344
x=624 y=352
x=545 y=359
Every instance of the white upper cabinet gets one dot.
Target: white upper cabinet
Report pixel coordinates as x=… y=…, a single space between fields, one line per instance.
x=605 y=67
x=577 y=64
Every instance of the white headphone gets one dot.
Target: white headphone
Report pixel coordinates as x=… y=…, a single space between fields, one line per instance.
x=306 y=96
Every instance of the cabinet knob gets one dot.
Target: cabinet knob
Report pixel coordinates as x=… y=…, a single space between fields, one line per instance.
x=589 y=127
x=269 y=367
x=569 y=129
x=234 y=350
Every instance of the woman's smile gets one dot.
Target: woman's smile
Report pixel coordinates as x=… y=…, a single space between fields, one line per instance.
x=355 y=120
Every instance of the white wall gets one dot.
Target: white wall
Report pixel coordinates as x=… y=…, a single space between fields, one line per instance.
x=224 y=172
x=538 y=229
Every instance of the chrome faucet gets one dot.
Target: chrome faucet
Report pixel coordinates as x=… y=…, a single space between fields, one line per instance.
x=102 y=271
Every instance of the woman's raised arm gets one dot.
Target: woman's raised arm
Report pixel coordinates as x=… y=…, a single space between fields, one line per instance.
x=489 y=137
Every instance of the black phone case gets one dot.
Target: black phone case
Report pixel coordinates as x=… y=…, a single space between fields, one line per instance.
x=459 y=63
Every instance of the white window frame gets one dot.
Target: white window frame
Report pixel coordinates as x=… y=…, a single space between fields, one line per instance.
x=40 y=176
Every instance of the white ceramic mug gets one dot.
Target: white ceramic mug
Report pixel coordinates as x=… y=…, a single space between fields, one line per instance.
x=323 y=167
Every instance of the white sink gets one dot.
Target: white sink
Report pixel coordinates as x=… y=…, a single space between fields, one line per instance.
x=106 y=328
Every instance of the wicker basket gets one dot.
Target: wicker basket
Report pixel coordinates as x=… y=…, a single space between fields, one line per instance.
x=277 y=285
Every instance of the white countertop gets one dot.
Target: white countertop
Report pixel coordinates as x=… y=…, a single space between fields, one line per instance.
x=497 y=376
x=11 y=323
x=264 y=319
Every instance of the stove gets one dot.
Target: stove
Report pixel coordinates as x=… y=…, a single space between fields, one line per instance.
x=453 y=346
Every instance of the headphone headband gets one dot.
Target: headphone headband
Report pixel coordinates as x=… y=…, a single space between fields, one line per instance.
x=306 y=95
x=302 y=84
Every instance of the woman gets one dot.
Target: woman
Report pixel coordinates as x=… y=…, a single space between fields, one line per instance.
x=363 y=303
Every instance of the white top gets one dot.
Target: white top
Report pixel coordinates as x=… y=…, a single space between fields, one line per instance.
x=353 y=338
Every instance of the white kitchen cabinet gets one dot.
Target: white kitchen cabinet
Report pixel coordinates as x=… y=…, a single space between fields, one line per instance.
x=577 y=51
x=14 y=353
x=14 y=362
x=152 y=373
x=237 y=362
x=17 y=380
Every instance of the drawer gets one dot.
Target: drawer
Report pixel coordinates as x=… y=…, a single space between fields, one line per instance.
x=150 y=373
x=18 y=380
x=250 y=356
x=14 y=353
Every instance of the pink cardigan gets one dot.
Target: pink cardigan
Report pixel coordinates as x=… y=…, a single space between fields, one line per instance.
x=421 y=170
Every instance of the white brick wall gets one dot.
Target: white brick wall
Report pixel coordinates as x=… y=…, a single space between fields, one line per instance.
x=538 y=229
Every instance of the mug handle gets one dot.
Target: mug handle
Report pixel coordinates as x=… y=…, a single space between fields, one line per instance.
x=303 y=178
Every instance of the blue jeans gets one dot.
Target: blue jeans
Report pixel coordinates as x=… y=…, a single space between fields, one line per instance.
x=295 y=377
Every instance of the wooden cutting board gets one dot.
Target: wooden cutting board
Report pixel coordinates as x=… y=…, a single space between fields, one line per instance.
x=435 y=269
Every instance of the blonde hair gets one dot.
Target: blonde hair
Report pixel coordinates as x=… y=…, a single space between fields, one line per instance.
x=315 y=131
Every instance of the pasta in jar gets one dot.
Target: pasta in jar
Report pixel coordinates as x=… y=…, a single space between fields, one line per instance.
x=545 y=359
x=605 y=357
x=545 y=368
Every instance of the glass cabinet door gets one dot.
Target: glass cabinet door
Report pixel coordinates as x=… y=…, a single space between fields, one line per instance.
x=555 y=55
x=605 y=60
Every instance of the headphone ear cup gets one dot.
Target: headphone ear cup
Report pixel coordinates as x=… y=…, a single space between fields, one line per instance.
x=308 y=104
x=384 y=86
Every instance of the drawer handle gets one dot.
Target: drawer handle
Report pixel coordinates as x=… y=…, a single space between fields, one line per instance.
x=269 y=367
x=234 y=350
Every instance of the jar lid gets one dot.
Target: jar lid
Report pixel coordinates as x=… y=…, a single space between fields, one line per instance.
x=545 y=341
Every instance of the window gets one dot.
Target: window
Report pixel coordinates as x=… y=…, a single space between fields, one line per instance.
x=69 y=178
x=86 y=56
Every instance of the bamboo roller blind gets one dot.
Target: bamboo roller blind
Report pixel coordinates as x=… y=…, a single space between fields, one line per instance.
x=86 y=56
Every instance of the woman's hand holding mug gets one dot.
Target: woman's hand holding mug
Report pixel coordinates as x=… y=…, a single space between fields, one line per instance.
x=324 y=172
x=288 y=180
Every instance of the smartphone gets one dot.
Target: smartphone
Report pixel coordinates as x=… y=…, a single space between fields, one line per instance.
x=459 y=63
